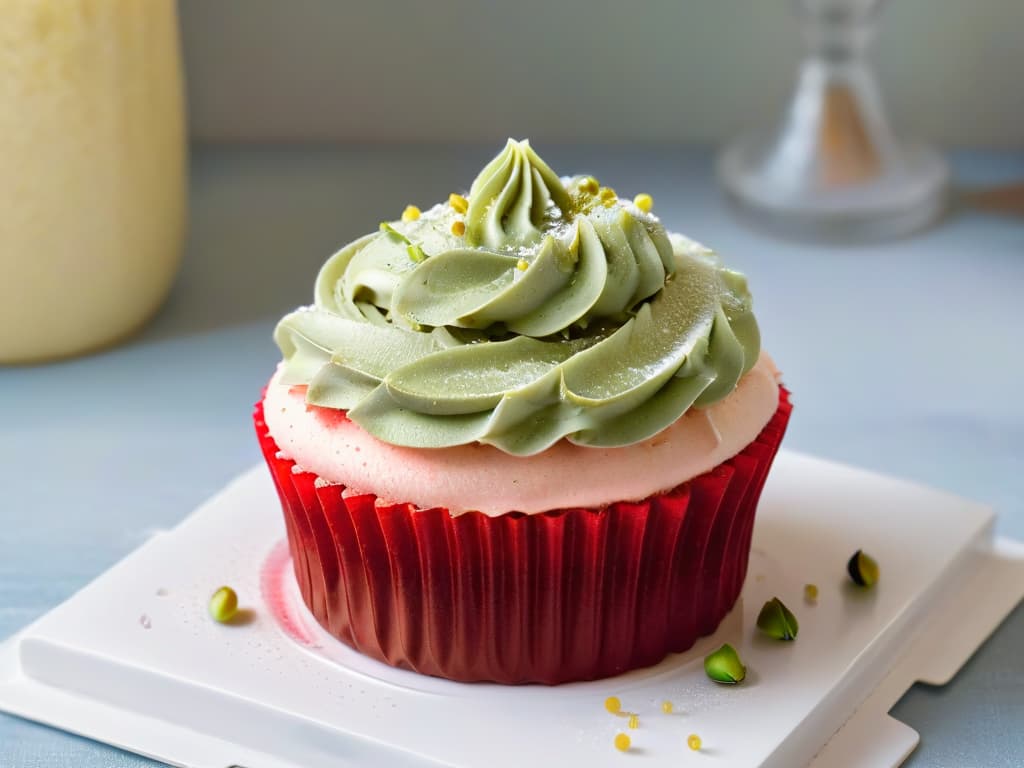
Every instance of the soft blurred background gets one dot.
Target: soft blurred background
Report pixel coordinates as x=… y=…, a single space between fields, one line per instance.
x=311 y=120
x=575 y=70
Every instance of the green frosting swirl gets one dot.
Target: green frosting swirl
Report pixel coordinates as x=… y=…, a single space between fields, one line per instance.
x=562 y=312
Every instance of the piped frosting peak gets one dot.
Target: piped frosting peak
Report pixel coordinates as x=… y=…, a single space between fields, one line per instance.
x=514 y=199
x=537 y=309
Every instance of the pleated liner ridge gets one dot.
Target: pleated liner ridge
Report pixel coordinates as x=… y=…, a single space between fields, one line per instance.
x=572 y=594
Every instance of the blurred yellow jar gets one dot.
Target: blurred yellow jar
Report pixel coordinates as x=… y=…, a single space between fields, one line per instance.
x=92 y=171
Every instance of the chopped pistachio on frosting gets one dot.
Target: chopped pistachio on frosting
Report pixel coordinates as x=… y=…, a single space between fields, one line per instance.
x=531 y=310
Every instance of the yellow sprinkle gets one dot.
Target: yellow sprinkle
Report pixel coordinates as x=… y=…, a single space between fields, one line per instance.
x=622 y=742
x=608 y=196
x=411 y=213
x=589 y=185
x=693 y=742
x=613 y=705
x=458 y=202
x=522 y=265
x=459 y=228
x=644 y=202
x=666 y=707
x=634 y=721
x=810 y=592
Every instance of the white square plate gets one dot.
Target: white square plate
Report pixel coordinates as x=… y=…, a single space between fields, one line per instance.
x=134 y=660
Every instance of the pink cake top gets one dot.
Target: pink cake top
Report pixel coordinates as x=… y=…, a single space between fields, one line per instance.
x=483 y=478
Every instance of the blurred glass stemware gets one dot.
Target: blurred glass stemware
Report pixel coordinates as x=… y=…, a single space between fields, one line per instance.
x=832 y=168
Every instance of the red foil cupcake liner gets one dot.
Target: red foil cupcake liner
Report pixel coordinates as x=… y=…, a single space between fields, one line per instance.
x=566 y=595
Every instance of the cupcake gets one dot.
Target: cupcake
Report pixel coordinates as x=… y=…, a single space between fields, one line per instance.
x=520 y=436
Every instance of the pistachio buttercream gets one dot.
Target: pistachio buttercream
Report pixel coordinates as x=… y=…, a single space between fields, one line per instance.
x=533 y=309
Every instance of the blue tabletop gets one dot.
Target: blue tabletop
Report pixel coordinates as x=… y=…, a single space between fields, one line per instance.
x=904 y=357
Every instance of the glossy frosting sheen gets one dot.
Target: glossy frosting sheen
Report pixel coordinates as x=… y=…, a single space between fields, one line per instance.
x=562 y=312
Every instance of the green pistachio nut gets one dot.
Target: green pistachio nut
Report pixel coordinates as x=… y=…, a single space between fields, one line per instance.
x=863 y=569
x=387 y=227
x=223 y=604
x=777 y=621
x=724 y=666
